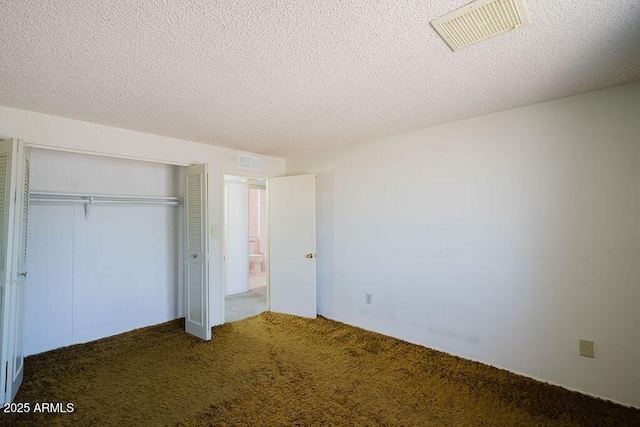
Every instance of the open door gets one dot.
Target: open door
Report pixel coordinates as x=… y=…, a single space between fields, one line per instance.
x=196 y=253
x=292 y=245
x=14 y=206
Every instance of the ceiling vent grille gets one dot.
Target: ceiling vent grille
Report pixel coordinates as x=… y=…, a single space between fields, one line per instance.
x=248 y=162
x=480 y=20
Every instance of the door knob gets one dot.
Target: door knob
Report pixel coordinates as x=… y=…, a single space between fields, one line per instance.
x=194 y=256
x=309 y=256
x=23 y=274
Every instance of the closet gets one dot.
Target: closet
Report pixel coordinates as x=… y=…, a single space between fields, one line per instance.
x=104 y=247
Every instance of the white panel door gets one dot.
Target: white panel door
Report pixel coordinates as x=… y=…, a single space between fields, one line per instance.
x=196 y=253
x=292 y=245
x=14 y=203
x=237 y=258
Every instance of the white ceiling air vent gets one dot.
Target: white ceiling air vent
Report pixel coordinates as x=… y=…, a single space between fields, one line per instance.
x=480 y=20
x=247 y=162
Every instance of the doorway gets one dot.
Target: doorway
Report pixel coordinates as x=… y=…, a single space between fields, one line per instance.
x=104 y=267
x=246 y=247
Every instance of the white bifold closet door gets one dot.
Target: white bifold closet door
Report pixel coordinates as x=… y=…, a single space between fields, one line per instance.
x=14 y=215
x=292 y=245
x=196 y=253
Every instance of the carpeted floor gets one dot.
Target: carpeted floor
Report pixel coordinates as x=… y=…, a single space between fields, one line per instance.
x=278 y=370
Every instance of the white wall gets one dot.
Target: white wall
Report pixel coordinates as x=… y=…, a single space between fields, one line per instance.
x=503 y=238
x=237 y=238
x=116 y=271
x=67 y=134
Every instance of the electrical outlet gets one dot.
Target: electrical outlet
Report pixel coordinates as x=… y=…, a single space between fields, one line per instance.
x=367 y=298
x=586 y=348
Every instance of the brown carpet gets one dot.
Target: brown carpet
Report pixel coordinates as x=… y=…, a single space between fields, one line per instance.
x=278 y=370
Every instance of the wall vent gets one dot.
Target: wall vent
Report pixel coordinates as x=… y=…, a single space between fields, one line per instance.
x=480 y=20
x=248 y=162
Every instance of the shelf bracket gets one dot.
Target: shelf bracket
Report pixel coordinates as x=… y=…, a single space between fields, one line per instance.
x=87 y=207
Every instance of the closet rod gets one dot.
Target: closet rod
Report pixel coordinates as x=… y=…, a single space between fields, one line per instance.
x=106 y=202
x=89 y=200
x=96 y=197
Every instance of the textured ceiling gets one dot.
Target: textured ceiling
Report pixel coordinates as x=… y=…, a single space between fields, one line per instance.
x=283 y=77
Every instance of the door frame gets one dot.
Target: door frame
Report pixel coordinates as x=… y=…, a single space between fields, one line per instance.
x=222 y=289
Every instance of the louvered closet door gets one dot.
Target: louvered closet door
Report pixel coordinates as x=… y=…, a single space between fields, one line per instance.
x=196 y=254
x=14 y=203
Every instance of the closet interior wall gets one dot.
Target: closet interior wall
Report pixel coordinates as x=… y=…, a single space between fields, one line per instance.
x=117 y=270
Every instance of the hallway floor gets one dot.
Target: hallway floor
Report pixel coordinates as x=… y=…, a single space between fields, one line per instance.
x=245 y=304
x=257 y=280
